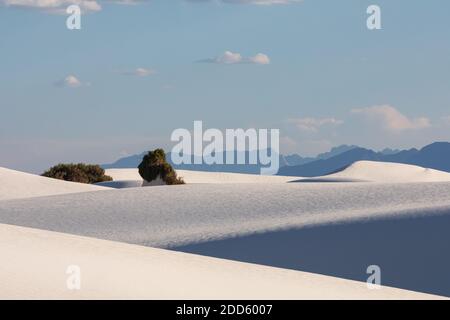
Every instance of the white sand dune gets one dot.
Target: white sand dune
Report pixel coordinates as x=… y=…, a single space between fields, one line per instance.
x=34 y=265
x=360 y=171
x=373 y=171
x=132 y=174
x=173 y=215
x=177 y=216
x=16 y=184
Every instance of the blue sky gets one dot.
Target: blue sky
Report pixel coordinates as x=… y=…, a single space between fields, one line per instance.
x=134 y=73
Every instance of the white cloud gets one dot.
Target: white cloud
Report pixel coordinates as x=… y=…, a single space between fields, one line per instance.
x=70 y=82
x=262 y=2
x=89 y=6
x=260 y=58
x=139 y=72
x=54 y=6
x=229 y=57
x=314 y=124
x=255 y=2
x=391 y=119
x=128 y=2
x=375 y=127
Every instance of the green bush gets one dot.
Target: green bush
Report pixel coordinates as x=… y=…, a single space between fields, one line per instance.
x=80 y=172
x=154 y=165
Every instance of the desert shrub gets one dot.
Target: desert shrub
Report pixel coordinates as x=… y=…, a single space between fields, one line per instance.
x=80 y=172
x=154 y=165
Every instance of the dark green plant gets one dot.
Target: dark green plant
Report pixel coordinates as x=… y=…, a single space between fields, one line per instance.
x=154 y=165
x=79 y=172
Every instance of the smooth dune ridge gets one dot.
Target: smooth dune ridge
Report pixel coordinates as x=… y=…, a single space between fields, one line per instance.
x=389 y=172
x=132 y=174
x=360 y=171
x=15 y=185
x=295 y=223
x=166 y=216
x=34 y=265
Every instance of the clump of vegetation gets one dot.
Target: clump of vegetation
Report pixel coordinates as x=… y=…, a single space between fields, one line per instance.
x=80 y=172
x=154 y=165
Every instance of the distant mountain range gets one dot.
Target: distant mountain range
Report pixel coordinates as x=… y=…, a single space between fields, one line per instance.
x=435 y=156
x=289 y=160
x=134 y=160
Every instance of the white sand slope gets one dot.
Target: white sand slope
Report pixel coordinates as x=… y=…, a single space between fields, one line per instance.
x=132 y=174
x=176 y=216
x=173 y=215
x=374 y=171
x=34 y=265
x=16 y=184
x=360 y=171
